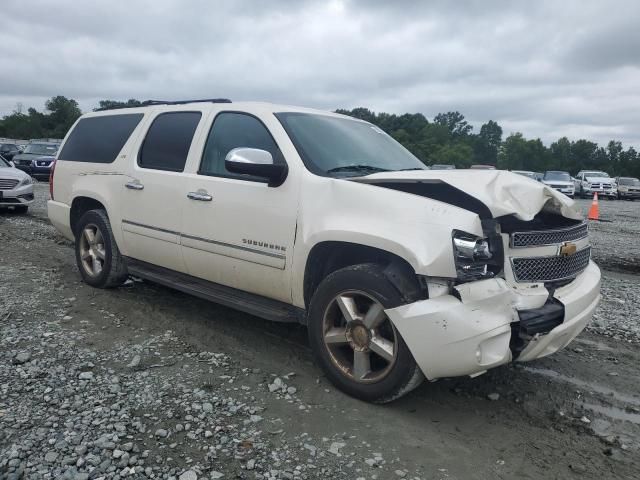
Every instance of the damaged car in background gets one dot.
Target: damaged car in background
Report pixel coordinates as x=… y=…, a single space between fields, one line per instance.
x=400 y=273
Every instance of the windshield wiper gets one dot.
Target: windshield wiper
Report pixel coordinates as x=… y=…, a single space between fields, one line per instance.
x=357 y=168
x=407 y=169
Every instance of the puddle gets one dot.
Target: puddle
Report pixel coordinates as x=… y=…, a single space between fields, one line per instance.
x=626 y=433
x=589 y=386
x=601 y=347
x=614 y=412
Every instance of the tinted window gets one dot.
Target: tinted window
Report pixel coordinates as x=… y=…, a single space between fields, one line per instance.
x=168 y=140
x=235 y=130
x=99 y=139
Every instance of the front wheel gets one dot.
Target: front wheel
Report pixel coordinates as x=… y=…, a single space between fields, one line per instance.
x=99 y=260
x=354 y=341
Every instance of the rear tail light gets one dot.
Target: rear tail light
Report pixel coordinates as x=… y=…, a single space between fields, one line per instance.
x=53 y=169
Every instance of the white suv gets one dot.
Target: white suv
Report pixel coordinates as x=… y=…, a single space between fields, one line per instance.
x=299 y=215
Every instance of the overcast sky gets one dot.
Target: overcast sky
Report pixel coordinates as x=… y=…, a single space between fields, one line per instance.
x=547 y=69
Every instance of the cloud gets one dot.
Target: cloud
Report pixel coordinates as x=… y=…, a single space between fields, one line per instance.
x=546 y=68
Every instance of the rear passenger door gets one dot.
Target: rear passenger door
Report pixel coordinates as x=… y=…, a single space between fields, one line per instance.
x=240 y=232
x=152 y=195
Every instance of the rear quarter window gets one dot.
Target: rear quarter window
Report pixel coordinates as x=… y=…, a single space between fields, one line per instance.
x=99 y=139
x=168 y=141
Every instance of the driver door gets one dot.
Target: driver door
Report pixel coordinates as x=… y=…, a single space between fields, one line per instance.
x=237 y=231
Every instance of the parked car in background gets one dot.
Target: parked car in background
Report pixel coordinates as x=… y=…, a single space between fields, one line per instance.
x=482 y=167
x=16 y=187
x=9 y=150
x=23 y=160
x=41 y=167
x=442 y=166
x=628 y=187
x=525 y=173
x=297 y=215
x=588 y=182
x=560 y=181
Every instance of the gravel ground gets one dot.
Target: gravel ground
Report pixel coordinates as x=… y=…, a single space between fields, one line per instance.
x=145 y=382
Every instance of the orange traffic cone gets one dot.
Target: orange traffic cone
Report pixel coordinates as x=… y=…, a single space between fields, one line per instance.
x=594 y=213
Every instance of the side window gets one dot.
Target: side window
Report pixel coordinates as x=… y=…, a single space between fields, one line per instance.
x=235 y=130
x=168 y=140
x=99 y=139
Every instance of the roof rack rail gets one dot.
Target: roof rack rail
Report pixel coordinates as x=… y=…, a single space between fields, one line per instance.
x=181 y=102
x=147 y=103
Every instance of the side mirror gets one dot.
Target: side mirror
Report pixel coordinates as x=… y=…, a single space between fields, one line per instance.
x=12 y=164
x=256 y=162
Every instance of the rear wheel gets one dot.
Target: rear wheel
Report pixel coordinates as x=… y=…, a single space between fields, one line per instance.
x=354 y=341
x=97 y=254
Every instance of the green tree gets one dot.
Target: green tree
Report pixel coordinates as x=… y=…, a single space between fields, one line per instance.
x=458 y=154
x=487 y=143
x=455 y=123
x=63 y=113
x=518 y=153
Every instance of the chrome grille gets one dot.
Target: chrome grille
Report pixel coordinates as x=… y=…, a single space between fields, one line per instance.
x=8 y=183
x=549 y=237
x=550 y=269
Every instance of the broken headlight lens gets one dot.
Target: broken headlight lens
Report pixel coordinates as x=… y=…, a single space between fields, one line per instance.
x=472 y=256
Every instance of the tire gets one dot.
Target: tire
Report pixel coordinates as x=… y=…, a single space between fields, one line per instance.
x=22 y=209
x=100 y=263
x=361 y=289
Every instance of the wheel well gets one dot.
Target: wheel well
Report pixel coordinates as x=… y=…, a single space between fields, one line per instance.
x=79 y=207
x=327 y=257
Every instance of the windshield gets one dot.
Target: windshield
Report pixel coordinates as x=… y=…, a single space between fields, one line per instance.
x=629 y=181
x=557 y=176
x=526 y=174
x=596 y=174
x=4 y=163
x=339 y=147
x=41 y=149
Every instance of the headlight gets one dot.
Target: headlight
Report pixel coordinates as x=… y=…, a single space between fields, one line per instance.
x=472 y=256
x=25 y=181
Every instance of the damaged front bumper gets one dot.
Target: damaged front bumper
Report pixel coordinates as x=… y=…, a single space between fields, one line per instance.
x=483 y=324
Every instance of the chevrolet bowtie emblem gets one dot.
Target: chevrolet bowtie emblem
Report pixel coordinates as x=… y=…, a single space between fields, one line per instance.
x=568 y=249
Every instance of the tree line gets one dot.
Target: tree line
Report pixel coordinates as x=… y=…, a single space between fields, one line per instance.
x=447 y=139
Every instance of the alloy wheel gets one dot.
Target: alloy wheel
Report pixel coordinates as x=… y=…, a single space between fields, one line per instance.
x=359 y=337
x=92 y=251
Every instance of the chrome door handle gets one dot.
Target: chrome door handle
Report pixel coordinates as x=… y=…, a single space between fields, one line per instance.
x=200 y=195
x=134 y=185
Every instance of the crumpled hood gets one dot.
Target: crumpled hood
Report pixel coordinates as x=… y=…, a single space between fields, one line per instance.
x=502 y=192
x=607 y=180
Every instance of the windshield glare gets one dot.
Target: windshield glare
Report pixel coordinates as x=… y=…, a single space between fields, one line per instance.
x=334 y=146
x=558 y=176
x=629 y=181
x=596 y=174
x=41 y=149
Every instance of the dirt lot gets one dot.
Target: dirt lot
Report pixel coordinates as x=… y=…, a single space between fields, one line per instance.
x=145 y=382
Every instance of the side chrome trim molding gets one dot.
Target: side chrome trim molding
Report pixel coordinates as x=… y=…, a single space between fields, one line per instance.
x=206 y=240
x=142 y=225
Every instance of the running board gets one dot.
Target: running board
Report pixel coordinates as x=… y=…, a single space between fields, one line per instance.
x=253 y=304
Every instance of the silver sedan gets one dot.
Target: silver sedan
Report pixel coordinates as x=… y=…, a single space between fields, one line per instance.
x=16 y=187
